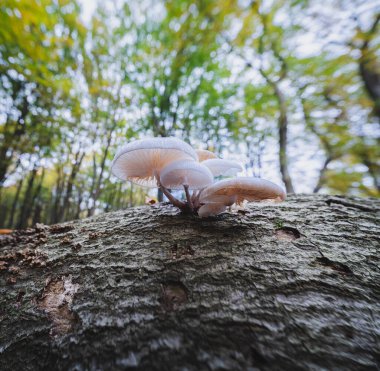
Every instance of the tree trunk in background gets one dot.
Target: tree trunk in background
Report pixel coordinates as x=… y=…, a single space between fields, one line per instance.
x=367 y=68
x=70 y=184
x=322 y=175
x=373 y=170
x=160 y=195
x=57 y=195
x=282 y=127
x=289 y=286
x=24 y=213
x=15 y=203
x=12 y=132
x=283 y=140
x=97 y=189
x=35 y=207
x=78 y=205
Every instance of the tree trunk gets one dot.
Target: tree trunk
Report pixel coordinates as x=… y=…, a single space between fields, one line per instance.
x=79 y=156
x=282 y=126
x=97 y=190
x=35 y=207
x=15 y=202
x=289 y=286
x=12 y=135
x=160 y=195
x=24 y=213
x=57 y=195
x=322 y=175
x=367 y=68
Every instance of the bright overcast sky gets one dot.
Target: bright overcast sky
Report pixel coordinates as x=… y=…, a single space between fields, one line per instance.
x=88 y=7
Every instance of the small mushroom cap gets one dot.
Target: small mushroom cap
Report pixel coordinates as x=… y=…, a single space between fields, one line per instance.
x=211 y=209
x=204 y=154
x=222 y=167
x=250 y=189
x=141 y=160
x=186 y=172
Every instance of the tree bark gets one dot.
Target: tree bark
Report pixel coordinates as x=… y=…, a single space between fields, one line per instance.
x=289 y=286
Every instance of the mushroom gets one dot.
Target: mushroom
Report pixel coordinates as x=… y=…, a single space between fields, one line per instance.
x=142 y=160
x=204 y=154
x=186 y=174
x=222 y=167
x=250 y=189
x=170 y=163
x=211 y=209
x=215 y=205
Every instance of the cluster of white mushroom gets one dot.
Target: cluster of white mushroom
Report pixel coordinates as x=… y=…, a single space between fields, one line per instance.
x=172 y=164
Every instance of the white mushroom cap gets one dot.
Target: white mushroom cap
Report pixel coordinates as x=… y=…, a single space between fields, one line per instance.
x=222 y=167
x=140 y=160
x=211 y=209
x=250 y=189
x=204 y=154
x=186 y=172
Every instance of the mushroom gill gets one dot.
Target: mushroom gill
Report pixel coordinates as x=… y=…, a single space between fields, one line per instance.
x=222 y=167
x=244 y=188
x=141 y=161
x=182 y=173
x=204 y=154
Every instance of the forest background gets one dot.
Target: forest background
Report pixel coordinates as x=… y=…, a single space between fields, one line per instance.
x=290 y=88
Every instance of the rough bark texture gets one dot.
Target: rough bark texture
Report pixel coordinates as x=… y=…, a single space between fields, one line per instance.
x=277 y=286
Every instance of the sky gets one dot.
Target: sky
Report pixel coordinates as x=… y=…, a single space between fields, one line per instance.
x=88 y=7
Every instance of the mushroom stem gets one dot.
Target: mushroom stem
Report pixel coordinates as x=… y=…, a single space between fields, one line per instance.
x=188 y=197
x=194 y=200
x=181 y=205
x=196 y=203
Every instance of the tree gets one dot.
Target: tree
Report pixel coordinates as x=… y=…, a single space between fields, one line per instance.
x=286 y=286
x=173 y=63
x=33 y=91
x=269 y=50
x=369 y=64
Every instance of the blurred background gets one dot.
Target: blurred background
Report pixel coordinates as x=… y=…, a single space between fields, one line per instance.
x=291 y=88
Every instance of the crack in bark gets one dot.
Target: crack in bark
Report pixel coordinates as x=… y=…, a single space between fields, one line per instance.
x=349 y=204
